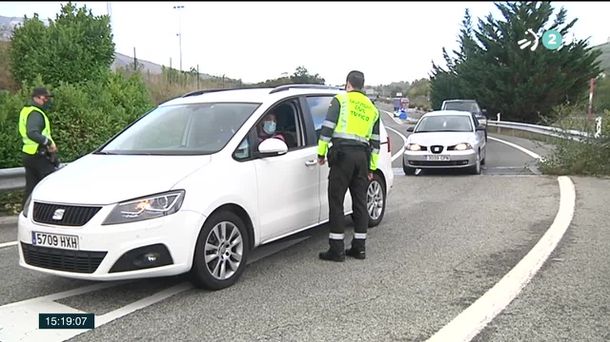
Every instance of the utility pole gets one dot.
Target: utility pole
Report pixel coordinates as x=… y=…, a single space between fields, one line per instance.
x=591 y=91
x=179 y=7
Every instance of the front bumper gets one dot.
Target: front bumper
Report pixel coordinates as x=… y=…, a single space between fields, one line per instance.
x=452 y=159
x=101 y=247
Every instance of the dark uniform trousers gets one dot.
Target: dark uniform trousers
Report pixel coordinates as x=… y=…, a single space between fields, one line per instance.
x=349 y=167
x=37 y=167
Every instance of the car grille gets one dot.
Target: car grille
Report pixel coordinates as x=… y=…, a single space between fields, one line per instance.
x=61 y=259
x=72 y=215
x=436 y=149
x=438 y=163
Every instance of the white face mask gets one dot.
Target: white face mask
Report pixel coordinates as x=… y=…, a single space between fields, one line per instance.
x=269 y=127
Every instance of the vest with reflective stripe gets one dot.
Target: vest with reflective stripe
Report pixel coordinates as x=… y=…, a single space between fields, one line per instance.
x=29 y=145
x=357 y=116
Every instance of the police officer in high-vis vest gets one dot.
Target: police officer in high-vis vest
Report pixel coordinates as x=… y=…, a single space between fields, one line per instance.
x=352 y=130
x=39 y=150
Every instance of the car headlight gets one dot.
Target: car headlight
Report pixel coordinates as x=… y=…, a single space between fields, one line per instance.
x=463 y=147
x=414 y=147
x=146 y=208
x=26 y=207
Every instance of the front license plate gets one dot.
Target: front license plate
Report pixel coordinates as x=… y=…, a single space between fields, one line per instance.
x=437 y=157
x=55 y=240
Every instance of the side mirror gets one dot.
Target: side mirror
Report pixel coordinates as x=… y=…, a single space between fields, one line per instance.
x=480 y=127
x=410 y=129
x=484 y=112
x=272 y=147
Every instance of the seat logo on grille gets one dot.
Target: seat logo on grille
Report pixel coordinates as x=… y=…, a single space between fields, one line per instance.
x=58 y=214
x=437 y=149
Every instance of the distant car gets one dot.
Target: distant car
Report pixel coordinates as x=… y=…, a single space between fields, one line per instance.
x=469 y=106
x=189 y=187
x=445 y=139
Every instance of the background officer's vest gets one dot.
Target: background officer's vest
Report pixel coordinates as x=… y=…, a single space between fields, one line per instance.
x=29 y=145
x=357 y=117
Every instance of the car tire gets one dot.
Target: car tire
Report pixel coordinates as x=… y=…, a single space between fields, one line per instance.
x=220 y=267
x=375 y=200
x=476 y=168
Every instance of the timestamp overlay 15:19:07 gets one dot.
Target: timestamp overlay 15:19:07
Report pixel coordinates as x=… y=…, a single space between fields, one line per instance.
x=66 y=321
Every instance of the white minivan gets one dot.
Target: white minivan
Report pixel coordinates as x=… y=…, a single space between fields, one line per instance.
x=189 y=187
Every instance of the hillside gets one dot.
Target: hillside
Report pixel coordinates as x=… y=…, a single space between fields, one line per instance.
x=604 y=58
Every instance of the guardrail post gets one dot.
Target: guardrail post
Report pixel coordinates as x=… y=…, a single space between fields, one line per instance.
x=598 y=128
x=498 y=117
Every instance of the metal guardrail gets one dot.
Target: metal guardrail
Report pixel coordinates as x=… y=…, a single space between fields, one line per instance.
x=548 y=130
x=545 y=130
x=12 y=179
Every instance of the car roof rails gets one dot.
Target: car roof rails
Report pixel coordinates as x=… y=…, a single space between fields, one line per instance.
x=205 y=91
x=302 y=86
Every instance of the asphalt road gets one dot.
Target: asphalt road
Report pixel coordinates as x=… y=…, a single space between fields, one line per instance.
x=445 y=240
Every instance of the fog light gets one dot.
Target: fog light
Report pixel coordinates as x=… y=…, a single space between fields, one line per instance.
x=151 y=257
x=143 y=257
x=147 y=259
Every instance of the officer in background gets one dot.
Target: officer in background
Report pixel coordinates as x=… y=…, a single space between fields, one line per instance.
x=352 y=128
x=39 y=150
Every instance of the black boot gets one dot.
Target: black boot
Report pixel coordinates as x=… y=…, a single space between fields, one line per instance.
x=336 y=251
x=358 y=250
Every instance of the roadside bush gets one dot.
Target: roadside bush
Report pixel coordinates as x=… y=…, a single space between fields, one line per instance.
x=588 y=157
x=85 y=117
x=10 y=106
x=82 y=116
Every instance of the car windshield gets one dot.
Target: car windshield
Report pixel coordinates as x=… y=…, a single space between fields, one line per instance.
x=202 y=128
x=445 y=123
x=463 y=106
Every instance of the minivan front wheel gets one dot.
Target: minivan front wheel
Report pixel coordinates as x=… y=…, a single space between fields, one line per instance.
x=375 y=200
x=221 y=251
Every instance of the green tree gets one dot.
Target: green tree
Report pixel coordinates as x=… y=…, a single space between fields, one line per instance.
x=522 y=84
x=302 y=76
x=76 y=47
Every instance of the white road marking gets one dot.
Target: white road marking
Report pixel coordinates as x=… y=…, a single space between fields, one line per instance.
x=142 y=303
x=19 y=320
x=471 y=321
x=397 y=120
x=8 y=244
x=402 y=149
x=22 y=317
x=520 y=148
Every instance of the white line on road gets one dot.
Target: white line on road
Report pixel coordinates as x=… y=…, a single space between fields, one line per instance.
x=65 y=294
x=20 y=319
x=520 y=148
x=8 y=244
x=142 y=303
x=471 y=321
x=402 y=149
x=398 y=121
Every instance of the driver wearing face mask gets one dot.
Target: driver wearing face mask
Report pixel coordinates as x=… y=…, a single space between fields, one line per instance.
x=267 y=128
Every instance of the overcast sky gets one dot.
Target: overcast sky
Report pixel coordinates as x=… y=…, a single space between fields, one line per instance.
x=390 y=41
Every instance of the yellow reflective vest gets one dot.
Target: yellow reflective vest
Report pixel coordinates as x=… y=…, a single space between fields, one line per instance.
x=357 y=117
x=29 y=145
